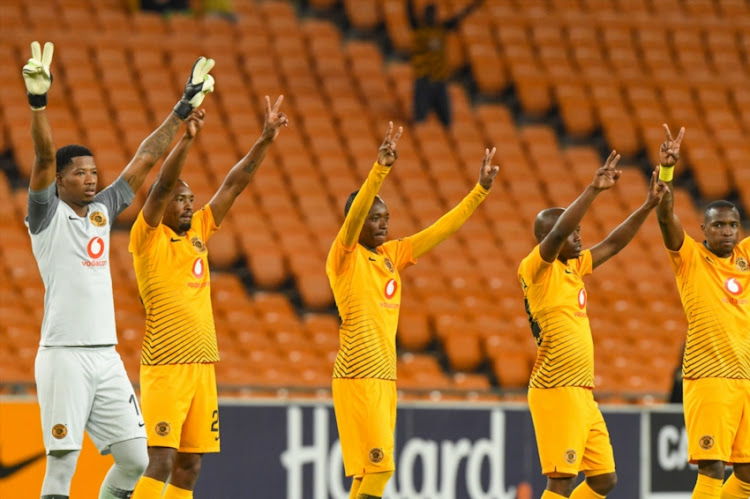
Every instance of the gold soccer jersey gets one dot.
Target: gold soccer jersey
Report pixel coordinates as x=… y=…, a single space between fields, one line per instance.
x=174 y=284
x=367 y=285
x=555 y=300
x=715 y=294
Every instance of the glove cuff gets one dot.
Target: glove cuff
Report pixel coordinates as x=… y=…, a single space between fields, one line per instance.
x=183 y=109
x=37 y=101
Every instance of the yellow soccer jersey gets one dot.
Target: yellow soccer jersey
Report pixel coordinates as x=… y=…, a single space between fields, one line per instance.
x=174 y=284
x=715 y=293
x=555 y=300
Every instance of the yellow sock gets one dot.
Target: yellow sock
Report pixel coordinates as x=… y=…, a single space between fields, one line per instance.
x=148 y=488
x=551 y=495
x=373 y=484
x=734 y=488
x=707 y=488
x=355 y=487
x=583 y=491
x=173 y=492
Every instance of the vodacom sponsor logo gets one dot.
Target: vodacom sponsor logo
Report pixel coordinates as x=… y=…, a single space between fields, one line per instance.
x=198 y=268
x=582 y=298
x=733 y=286
x=95 y=249
x=390 y=288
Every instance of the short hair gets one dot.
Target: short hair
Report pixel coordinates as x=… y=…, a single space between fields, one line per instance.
x=65 y=155
x=154 y=185
x=350 y=200
x=721 y=203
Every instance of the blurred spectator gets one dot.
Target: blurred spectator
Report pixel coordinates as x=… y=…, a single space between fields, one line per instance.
x=221 y=8
x=430 y=60
x=165 y=6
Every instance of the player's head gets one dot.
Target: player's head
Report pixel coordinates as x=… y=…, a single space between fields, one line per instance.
x=430 y=14
x=76 y=174
x=375 y=229
x=178 y=214
x=543 y=224
x=721 y=226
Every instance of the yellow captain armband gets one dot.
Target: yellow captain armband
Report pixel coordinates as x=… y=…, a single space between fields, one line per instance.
x=666 y=173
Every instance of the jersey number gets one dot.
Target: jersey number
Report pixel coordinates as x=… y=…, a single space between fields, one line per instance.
x=215 y=423
x=135 y=404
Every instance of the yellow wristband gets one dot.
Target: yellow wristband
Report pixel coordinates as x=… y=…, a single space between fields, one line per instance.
x=666 y=173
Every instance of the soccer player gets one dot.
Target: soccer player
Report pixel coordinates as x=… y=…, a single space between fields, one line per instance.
x=363 y=270
x=81 y=381
x=178 y=381
x=712 y=278
x=570 y=432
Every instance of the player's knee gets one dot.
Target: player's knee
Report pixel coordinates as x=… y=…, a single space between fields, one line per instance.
x=712 y=469
x=61 y=465
x=134 y=465
x=742 y=471
x=602 y=484
x=561 y=485
x=188 y=465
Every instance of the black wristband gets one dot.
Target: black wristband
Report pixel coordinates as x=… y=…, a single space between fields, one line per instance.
x=183 y=109
x=37 y=101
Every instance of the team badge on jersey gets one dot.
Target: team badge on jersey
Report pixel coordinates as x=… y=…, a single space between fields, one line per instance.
x=388 y=264
x=571 y=456
x=741 y=264
x=376 y=455
x=97 y=218
x=706 y=442
x=59 y=431
x=198 y=244
x=162 y=428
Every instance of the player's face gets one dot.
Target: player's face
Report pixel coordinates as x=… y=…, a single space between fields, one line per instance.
x=573 y=245
x=179 y=213
x=721 y=226
x=375 y=230
x=76 y=183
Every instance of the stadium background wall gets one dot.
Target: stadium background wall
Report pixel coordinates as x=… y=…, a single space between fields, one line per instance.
x=290 y=450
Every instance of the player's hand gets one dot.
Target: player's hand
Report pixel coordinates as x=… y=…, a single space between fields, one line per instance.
x=656 y=190
x=194 y=123
x=607 y=175
x=274 y=119
x=669 y=152
x=387 y=153
x=198 y=85
x=488 y=172
x=37 y=75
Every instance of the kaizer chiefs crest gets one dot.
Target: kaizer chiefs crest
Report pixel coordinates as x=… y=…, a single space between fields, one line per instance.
x=376 y=455
x=97 y=218
x=388 y=264
x=163 y=428
x=198 y=244
x=59 y=431
x=706 y=442
x=570 y=456
x=741 y=264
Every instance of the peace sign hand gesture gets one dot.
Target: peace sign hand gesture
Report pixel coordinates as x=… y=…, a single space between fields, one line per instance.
x=669 y=152
x=274 y=119
x=387 y=153
x=488 y=172
x=607 y=175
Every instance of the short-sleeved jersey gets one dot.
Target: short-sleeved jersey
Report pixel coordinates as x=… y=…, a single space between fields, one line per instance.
x=715 y=294
x=367 y=289
x=174 y=283
x=72 y=254
x=555 y=300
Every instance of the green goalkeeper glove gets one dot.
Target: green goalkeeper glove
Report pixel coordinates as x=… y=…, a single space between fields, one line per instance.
x=198 y=85
x=37 y=76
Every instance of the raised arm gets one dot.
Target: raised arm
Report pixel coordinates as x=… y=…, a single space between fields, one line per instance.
x=158 y=197
x=624 y=233
x=241 y=174
x=671 y=227
x=453 y=22
x=425 y=240
x=198 y=85
x=38 y=79
x=553 y=242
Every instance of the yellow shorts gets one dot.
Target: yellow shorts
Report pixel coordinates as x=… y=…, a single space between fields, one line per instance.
x=366 y=419
x=180 y=407
x=570 y=432
x=717 y=418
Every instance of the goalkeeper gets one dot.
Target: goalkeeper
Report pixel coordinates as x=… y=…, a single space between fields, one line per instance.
x=81 y=381
x=712 y=278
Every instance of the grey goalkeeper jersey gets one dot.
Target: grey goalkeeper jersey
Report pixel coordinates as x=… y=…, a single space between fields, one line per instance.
x=72 y=253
